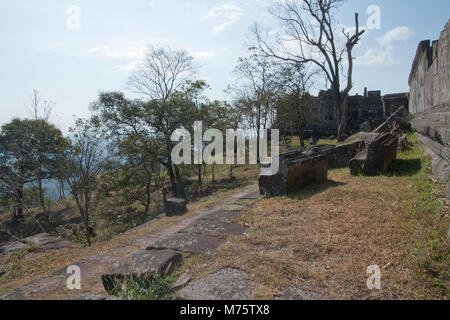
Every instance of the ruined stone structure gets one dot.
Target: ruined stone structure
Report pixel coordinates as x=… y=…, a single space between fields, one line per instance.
x=376 y=157
x=392 y=102
x=301 y=167
x=429 y=102
x=298 y=168
x=359 y=110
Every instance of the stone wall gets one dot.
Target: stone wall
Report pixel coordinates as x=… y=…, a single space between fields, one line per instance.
x=392 y=102
x=360 y=108
x=429 y=83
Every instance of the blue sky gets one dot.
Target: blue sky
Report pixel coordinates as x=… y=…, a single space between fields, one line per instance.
x=42 y=47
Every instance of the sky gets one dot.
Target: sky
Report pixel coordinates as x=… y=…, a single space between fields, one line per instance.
x=70 y=51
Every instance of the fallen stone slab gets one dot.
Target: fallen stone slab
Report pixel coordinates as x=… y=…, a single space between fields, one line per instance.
x=12 y=247
x=297 y=294
x=36 y=288
x=93 y=297
x=226 y=284
x=396 y=116
x=175 y=207
x=298 y=169
x=189 y=243
x=141 y=266
x=368 y=137
x=377 y=156
x=44 y=241
x=208 y=226
x=340 y=156
x=371 y=125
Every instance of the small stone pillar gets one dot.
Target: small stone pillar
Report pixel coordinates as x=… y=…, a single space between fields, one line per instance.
x=175 y=207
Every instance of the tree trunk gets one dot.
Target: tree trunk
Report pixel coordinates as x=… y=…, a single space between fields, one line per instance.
x=42 y=199
x=199 y=175
x=342 y=126
x=20 y=201
x=148 y=198
x=86 y=215
x=213 y=172
x=180 y=192
x=173 y=182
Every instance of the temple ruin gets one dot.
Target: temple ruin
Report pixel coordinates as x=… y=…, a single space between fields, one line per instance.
x=429 y=83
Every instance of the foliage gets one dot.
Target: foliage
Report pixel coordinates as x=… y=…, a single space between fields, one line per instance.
x=29 y=149
x=86 y=160
x=144 y=289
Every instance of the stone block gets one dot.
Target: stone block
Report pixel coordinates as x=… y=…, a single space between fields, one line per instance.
x=141 y=265
x=376 y=157
x=175 y=207
x=298 y=169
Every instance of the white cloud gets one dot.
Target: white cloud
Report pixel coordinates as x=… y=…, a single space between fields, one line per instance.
x=52 y=46
x=394 y=35
x=152 y=4
x=374 y=57
x=204 y=54
x=128 y=67
x=229 y=11
x=223 y=26
x=130 y=53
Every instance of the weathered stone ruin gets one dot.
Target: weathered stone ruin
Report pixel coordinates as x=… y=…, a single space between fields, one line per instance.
x=304 y=166
x=429 y=83
x=298 y=169
x=141 y=266
x=393 y=102
x=376 y=157
x=359 y=110
x=364 y=113
x=395 y=122
x=175 y=207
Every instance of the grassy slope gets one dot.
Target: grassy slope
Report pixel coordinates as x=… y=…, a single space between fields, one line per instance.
x=325 y=237
x=27 y=266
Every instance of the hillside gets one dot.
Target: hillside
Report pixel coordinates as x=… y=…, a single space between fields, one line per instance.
x=315 y=243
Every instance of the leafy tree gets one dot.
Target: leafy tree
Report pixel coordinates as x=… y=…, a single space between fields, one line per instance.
x=30 y=150
x=294 y=104
x=137 y=174
x=155 y=120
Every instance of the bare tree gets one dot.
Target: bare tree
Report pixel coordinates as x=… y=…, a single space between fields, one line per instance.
x=160 y=77
x=257 y=86
x=316 y=43
x=161 y=73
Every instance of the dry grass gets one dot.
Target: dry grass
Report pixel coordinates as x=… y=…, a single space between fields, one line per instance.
x=325 y=237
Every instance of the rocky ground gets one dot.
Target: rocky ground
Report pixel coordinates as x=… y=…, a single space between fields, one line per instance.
x=202 y=232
